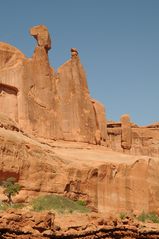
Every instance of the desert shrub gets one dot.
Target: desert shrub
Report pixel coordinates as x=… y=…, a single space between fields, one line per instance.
x=58 y=203
x=153 y=217
x=11 y=188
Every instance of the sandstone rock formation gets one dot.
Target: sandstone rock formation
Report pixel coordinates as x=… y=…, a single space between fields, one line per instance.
x=10 y=78
x=58 y=106
x=101 y=132
x=77 y=117
x=108 y=181
x=126 y=133
x=74 y=52
x=42 y=36
x=22 y=224
x=26 y=224
x=48 y=104
x=52 y=135
x=145 y=139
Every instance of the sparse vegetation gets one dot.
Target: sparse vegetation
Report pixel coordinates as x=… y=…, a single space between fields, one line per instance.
x=59 y=204
x=153 y=217
x=122 y=215
x=82 y=203
x=142 y=217
x=5 y=206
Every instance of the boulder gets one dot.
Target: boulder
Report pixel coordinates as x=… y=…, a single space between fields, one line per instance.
x=42 y=36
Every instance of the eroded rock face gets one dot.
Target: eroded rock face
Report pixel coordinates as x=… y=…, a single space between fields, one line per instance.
x=11 y=61
x=57 y=105
x=9 y=56
x=20 y=224
x=74 y=107
x=108 y=181
x=26 y=224
x=43 y=102
x=126 y=133
x=42 y=36
x=143 y=140
x=74 y=52
x=101 y=132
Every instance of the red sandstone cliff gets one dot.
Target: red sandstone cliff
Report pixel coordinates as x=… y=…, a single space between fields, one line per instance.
x=57 y=105
x=54 y=137
x=43 y=102
x=109 y=181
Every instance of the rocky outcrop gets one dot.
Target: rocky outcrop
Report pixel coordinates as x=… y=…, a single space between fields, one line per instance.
x=101 y=132
x=74 y=52
x=25 y=224
x=42 y=36
x=108 y=181
x=8 y=123
x=11 y=60
x=74 y=106
x=37 y=96
x=48 y=104
x=57 y=105
x=143 y=140
x=9 y=56
x=52 y=135
x=126 y=133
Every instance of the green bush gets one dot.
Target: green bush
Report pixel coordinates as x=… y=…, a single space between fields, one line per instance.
x=11 y=188
x=59 y=204
x=143 y=217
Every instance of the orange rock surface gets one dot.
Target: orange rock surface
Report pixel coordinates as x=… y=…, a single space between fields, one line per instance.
x=57 y=105
x=53 y=105
x=109 y=181
x=143 y=140
x=54 y=138
x=23 y=224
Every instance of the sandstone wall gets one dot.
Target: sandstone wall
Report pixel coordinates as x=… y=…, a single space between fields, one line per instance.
x=108 y=181
x=144 y=140
x=101 y=132
x=76 y=113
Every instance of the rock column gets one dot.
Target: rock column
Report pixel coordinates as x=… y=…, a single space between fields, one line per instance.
x=126 y=133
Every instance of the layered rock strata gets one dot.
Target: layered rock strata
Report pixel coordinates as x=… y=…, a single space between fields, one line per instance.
x=22 y=224
x=108 y=181
x=45 y=109
x=141 y=140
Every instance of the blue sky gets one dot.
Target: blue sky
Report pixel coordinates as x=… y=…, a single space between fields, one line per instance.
x=118 y=43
